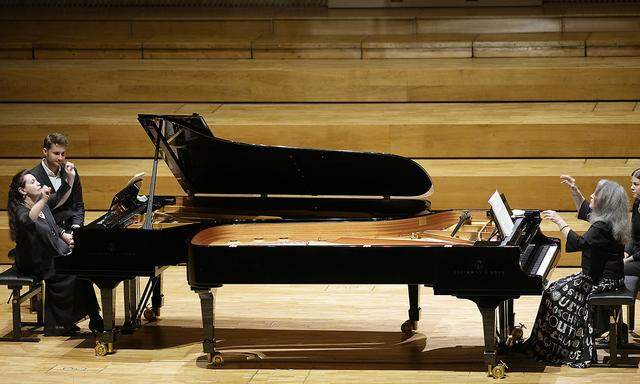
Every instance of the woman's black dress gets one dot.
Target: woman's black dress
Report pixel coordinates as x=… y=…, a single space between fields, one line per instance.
x=563 y=332
x=633 y=249
x=38 y=243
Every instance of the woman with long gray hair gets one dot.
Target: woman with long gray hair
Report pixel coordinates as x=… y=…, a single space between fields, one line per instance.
x=563 y=332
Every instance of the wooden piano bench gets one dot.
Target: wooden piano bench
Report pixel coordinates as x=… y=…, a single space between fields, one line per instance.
x=15 y=281
x=618 y=344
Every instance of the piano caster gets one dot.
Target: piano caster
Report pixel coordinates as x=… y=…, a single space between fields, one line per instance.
x=409 y=326
x=215 y=359
x=103 y=349
x=497 y=372
x=151 y=314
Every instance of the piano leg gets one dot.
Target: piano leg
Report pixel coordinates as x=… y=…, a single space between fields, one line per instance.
x=411 y=325
x=207 y=305
x=487 y=307
x=106 y=339
x=131 y=298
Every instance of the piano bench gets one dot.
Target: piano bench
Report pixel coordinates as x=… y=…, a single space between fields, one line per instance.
x=614 y=301
x=15 y=281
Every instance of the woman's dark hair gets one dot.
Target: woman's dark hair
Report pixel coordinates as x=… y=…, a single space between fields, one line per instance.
x=15 y=200
x=636 y=173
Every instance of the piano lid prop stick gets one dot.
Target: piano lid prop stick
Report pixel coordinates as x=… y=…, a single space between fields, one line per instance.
x=465 y=217
x=152 y=186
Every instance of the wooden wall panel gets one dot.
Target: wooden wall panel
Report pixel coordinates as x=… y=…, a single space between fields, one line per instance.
x=548 y=79
x=252 y=27
x=489 y=25
x=47 y=28
x=344 y=26
x=600 y=24
x=485 y=130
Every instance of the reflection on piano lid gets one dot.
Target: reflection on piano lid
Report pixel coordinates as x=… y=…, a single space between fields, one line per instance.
x=205 y=165
x=126 y=204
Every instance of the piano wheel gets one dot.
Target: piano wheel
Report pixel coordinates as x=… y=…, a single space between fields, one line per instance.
x=101 y=349
x=150 y=314
x=498 y=372
x=409 y=326
x=215 y=359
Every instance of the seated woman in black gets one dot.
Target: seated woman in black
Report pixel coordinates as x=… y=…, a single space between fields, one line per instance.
x=38 y=241
x=563 y=332
x=632 y=252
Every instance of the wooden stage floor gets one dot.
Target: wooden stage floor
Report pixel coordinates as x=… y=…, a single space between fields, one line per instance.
x=292 y=334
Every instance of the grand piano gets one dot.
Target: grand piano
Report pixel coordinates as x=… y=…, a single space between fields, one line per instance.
x=257 y=214
x=340 y=217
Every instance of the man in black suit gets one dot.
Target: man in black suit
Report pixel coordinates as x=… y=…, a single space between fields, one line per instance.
x=61 y=176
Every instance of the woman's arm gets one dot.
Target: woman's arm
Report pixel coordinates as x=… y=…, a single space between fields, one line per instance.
x=576 y=194
x=36 y=208
x=557 y=220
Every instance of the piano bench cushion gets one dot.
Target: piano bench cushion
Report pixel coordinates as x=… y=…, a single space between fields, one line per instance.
x=625 y=296
x=12 y=278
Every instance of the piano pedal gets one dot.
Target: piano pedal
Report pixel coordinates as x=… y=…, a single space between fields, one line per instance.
x=409 y=326
x=516 y=336
x=497 y=372
x=151 y=314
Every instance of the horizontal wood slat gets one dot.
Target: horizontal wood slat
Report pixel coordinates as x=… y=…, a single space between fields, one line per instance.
x=515 y=79
x=491 y=130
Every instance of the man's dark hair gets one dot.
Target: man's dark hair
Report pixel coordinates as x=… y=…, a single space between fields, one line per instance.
x=55 y=138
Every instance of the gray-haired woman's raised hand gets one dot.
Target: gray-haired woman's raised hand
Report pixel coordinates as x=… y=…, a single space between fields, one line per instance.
x=576 y=194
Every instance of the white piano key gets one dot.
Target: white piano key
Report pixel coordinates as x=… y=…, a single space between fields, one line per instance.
x=546 y=261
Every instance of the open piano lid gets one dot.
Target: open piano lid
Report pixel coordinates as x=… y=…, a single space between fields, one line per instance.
x=206 y=165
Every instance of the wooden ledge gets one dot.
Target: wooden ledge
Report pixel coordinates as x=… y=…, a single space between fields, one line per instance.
x=276 y=46
x=530 y=45
x=417 y=46
x=613 y=44
x=419 y=130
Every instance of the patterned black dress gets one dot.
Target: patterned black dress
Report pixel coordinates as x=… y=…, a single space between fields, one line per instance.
x=563 y=332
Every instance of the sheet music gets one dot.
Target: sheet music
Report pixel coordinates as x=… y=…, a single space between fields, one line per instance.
x=501 y=214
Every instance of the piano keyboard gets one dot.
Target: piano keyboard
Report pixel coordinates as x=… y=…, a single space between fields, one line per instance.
x=537 y=260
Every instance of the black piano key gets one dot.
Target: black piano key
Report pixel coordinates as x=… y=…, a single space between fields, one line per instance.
x=538 y=257
x=525 y=257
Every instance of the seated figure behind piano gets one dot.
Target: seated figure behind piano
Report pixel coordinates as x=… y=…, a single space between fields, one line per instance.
x=563 y=332
x=38 y=241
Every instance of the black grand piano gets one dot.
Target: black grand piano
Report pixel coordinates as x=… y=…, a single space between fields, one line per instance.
x=342 y=217
x=260 y=214
x=140 y=235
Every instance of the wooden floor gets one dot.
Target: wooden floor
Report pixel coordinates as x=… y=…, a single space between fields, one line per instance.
x=293 y=334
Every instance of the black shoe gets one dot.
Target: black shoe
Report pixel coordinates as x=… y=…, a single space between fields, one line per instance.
x=73 y=328
x=96 y=324
x=603 y=342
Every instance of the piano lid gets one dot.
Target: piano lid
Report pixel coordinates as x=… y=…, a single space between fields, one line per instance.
x=206 y=165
